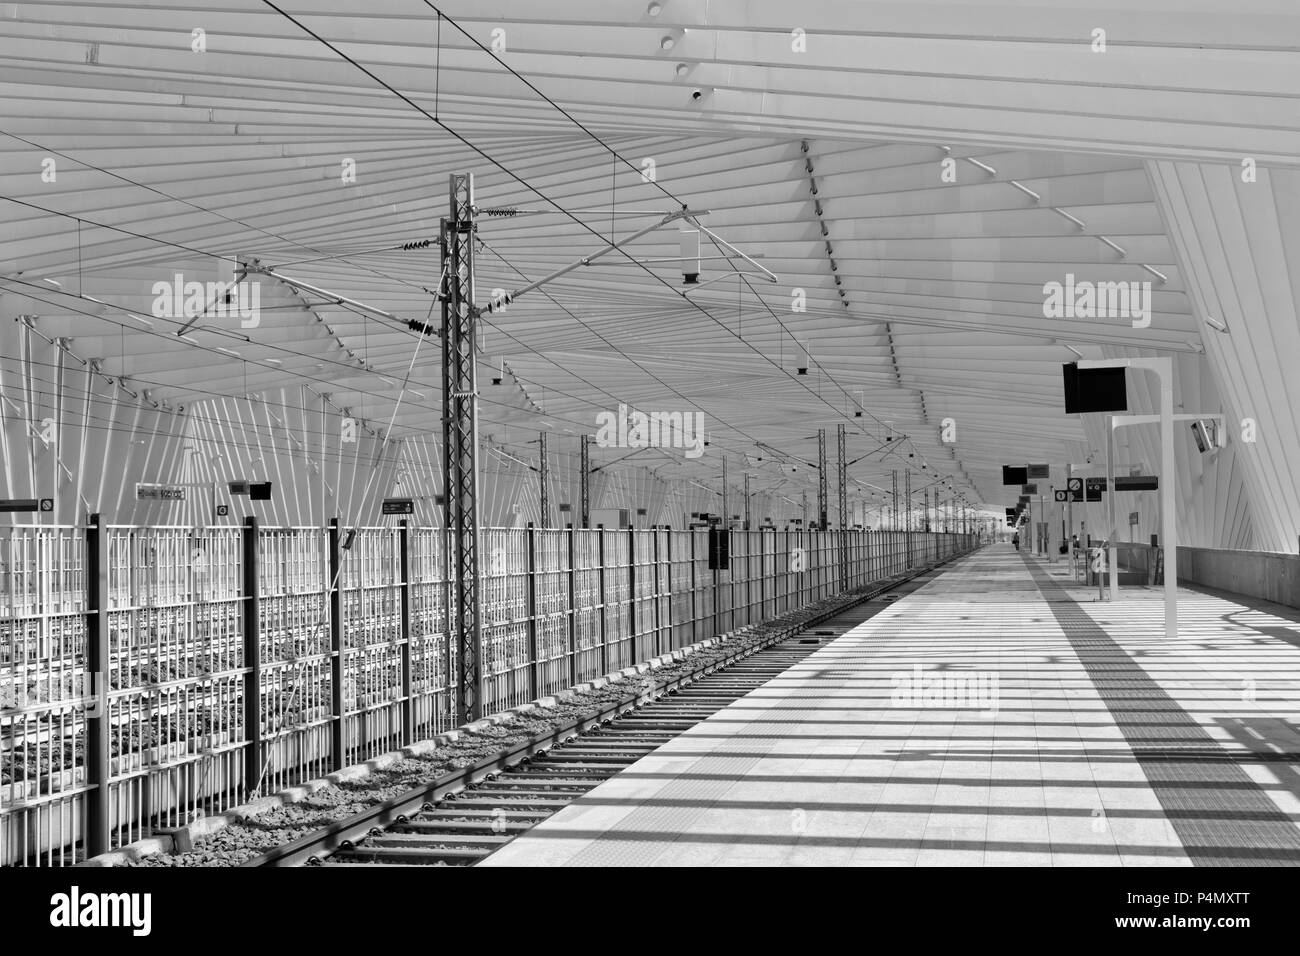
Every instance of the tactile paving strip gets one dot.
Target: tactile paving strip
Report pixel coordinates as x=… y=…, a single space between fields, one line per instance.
x=1221 y=816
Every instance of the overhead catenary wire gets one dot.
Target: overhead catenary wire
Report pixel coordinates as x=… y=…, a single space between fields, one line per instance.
x=519 y=179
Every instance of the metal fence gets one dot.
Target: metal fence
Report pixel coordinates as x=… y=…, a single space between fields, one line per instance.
x=127 y=653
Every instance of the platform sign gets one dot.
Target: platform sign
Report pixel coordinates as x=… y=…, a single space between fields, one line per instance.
x=399 y=506
x=223 y=511
x=18 y=505
x=1095 y=487
x=159 y=493
x=1137 y=483
x=1132 y=517
x=1060 y=494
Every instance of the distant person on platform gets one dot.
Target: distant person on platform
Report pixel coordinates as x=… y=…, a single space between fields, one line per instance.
x=1015 y=539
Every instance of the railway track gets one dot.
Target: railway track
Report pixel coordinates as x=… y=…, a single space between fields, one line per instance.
x=463 y=818
x=466 y=827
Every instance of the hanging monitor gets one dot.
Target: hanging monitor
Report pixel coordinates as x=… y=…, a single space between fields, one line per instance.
x=1094 y=389
x=1014 y=474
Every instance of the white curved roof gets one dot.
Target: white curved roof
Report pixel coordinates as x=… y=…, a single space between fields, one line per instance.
x=914 y=173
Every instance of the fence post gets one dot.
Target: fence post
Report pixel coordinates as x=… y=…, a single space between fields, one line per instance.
x=631 y=593
x=408 y=716
x=694 y=585
x=534 y=683
x=252 y=655
x=671 y=627
x=336 y=646
x=604 y=610
x=654 y=599
x=97 y=717
x=573 y=611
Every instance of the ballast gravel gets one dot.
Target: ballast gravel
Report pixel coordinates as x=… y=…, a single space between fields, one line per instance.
x=251 y=837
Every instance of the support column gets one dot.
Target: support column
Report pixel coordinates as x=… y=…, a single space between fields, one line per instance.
x=821 y=479
x=407 y=707
x=726 y=513
x=573 y=606
x=460 y=391
x=543 y=484
x=98 y=827
x=534 y=665
x=336 y=649
x=600 y=563
x=252 y=628
x=747 y=524
x=584 y=474
x=907 y=521
x=842 y=478
x=893 y=497
x=631 y=593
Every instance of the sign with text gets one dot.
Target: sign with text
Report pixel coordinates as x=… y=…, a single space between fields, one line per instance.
x=399 y=506
x=18 y=505
x=159 y=493
x=1137 y=483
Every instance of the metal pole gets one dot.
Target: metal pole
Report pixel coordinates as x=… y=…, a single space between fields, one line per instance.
x=1111 y=551
x=821 y=479
x=600 y=563
x=893 y=497
x=583 y=476
x=907 y=521
x=842 y=477
x=573 y=606
x=98 y=827
x=534 y=663
x=543 y=483
x=408 y=715
x=252 y=657
x=335 y=597
x=460 y=377
x=1069 y=514
x=1168 y=516
x=726 y=513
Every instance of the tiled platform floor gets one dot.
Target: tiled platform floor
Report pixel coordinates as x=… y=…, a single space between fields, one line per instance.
x=1087 y=739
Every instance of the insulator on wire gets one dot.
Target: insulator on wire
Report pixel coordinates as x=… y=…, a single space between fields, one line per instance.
x=419 y=244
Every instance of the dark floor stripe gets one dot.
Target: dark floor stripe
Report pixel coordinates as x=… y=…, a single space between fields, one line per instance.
x=1222 y=817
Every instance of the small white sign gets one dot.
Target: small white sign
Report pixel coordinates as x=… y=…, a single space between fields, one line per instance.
x=159 y=493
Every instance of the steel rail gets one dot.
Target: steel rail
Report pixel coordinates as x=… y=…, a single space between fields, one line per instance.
x=396 y=809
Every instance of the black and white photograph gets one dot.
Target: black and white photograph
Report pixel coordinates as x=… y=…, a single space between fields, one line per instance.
x=647 y=435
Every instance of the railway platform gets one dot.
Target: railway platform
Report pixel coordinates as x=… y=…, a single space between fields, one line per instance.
x=998 y=715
